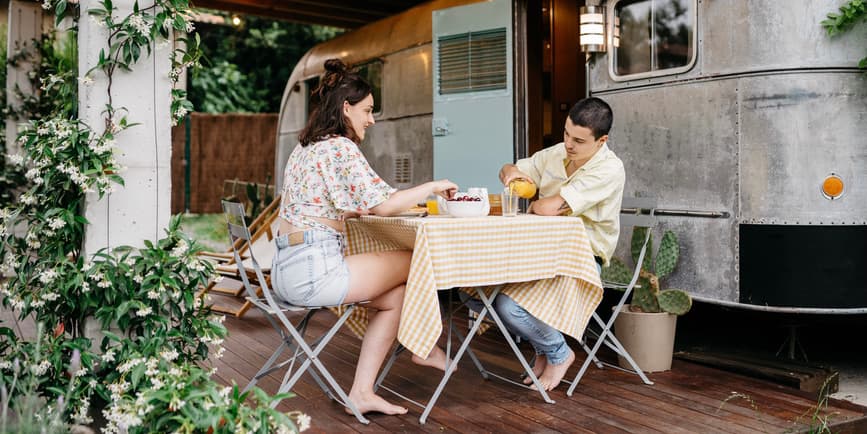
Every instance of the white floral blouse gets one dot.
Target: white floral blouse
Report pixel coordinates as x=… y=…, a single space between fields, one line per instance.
x=326 y=178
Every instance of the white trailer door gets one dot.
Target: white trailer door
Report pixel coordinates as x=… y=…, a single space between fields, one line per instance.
x=472 y=93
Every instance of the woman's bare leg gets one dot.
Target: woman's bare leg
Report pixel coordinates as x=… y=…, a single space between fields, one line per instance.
x=377 y=277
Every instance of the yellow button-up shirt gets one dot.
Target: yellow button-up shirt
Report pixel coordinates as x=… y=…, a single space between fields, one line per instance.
x=594 y=192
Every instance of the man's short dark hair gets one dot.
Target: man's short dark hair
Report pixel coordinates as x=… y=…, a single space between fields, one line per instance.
x=594 y=114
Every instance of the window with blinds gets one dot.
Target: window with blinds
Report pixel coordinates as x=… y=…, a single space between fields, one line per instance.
x=473 y=61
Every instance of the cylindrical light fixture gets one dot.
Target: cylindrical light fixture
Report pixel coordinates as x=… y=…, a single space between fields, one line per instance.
x=592 y=29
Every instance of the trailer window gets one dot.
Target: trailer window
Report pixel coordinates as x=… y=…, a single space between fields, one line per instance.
x=372 y=72
x=657 y=37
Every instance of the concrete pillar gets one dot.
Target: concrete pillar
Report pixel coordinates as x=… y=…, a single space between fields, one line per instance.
x=141 y=209
x=25 y=25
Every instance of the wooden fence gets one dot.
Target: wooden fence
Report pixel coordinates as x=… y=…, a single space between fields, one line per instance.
x=222 y=147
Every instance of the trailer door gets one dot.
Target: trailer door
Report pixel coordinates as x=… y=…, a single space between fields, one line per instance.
x=472 y=93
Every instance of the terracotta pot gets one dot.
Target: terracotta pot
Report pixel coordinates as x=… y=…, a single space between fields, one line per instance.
x=647 y=337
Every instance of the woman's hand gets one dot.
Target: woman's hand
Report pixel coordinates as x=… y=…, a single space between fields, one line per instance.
x=352 y=214
x=444 y=188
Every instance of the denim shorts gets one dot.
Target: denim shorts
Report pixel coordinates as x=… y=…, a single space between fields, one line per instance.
x=312 y=273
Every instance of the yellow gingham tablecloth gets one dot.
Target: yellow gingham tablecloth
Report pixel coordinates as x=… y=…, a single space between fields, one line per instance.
x=546 y=264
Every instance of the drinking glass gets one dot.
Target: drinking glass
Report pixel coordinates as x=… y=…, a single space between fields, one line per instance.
x=509 y=202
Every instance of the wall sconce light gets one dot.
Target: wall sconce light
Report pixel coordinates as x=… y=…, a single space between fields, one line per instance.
x=236 y=20
x=592 y=29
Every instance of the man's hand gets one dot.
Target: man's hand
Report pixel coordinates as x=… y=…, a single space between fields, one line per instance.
x=552 y=205
x=510 y=172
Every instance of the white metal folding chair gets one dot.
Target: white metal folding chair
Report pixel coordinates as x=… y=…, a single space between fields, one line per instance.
x=291 y=335
x=636 y=212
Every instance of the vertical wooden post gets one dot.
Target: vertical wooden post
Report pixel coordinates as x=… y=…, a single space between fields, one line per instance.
x=25 y=25
x=141 y=209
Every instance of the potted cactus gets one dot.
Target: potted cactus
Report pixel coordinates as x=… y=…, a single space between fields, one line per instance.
x=646 y=326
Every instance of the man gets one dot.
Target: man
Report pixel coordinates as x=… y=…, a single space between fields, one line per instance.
x=579 y=177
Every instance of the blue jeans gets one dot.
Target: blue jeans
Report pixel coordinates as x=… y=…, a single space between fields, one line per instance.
x=546 y=340
x=312 y=273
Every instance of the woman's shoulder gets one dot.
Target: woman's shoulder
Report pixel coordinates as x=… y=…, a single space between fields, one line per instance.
x=334 y=143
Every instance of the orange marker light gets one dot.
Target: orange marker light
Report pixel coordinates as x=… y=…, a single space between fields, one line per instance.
x=832 y=187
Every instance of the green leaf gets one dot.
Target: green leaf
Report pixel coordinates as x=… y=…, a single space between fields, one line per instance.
x=616 y=272
x=638 y=236
x=667 y=256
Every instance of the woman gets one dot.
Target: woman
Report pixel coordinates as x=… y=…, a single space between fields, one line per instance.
x=326 y=180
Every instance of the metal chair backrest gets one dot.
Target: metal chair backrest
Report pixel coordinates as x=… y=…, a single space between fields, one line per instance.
x=637 y=212
x=238 y=231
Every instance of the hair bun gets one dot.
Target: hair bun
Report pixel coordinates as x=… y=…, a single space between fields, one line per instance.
x=335 y=66
x=335 y=71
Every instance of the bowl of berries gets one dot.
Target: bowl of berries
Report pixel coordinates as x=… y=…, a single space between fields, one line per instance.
x=467 y=205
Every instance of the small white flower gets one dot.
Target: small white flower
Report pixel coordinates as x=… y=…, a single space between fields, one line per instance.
x=32 y=173
x=5 y=364
x=18 y=303
x=176 y=403
x=220 y=352
x=139 y=24
x=145 y=311
x=104 y=283
x=50 y=296
x=48 y=276
x=153 y=295
x=17 y=159
x=129 y=364
x=224 y=392
x=303 y=422
x=129 y=261
x=27 y=198
x=180 y=249
x=181 y=112
x=41 y=368
x=81 y=372
x=108 y=356
x=57 y=223
x=86 y=266
x=86 y=80
x=138 y=279
x=46 y=4
x=169 y=355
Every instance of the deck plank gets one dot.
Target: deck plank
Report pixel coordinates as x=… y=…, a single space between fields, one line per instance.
x=694 y=398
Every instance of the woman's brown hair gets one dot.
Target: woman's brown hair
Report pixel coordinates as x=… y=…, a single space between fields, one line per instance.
x=338 y=85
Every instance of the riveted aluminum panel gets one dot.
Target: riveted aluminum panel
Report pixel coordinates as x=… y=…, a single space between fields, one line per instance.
x=412 y=69
x=687 y=161
x=744 y=35
x=399 y=136
x=795 y=130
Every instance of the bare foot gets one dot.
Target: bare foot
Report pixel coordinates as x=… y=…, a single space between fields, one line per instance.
x=552 y=374
x=373 y=402
x=539 y=364
x=436 y=359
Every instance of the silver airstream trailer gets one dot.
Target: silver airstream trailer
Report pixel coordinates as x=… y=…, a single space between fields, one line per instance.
x=743 y=119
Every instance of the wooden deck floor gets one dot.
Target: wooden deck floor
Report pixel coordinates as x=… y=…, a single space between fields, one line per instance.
x=689 y=398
